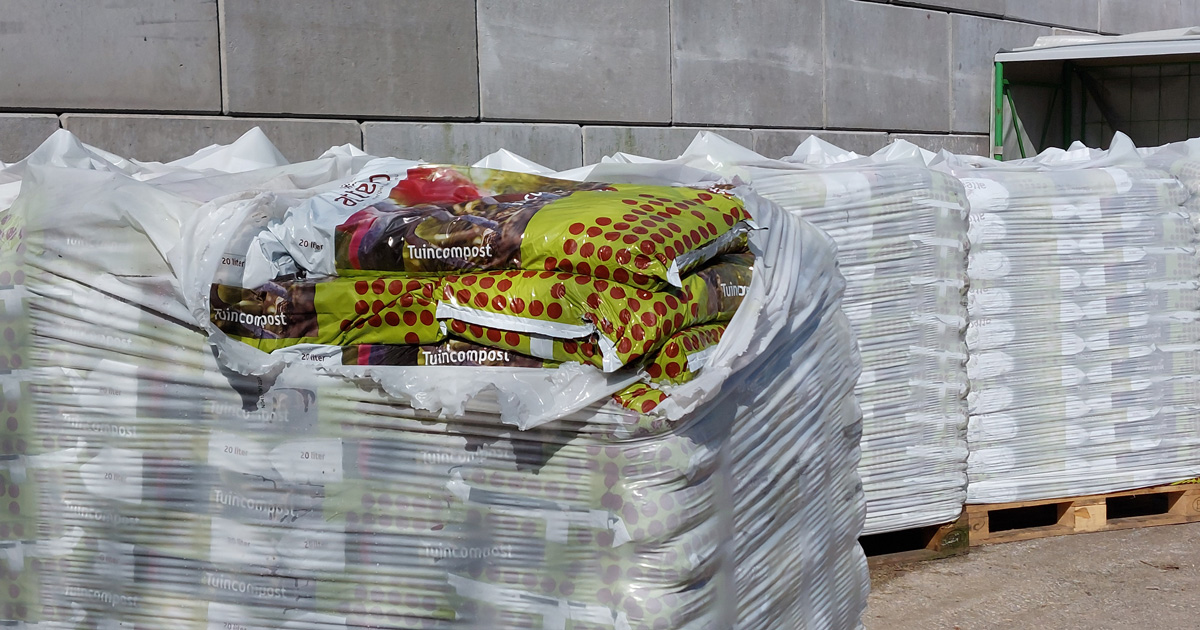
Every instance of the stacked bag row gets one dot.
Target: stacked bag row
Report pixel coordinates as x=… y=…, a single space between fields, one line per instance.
x=223 y=435
x=1083 y=335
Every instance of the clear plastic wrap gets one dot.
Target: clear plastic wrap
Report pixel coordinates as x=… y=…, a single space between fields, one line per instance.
x=184 y=483
x=1083 y=336
x=900 y=229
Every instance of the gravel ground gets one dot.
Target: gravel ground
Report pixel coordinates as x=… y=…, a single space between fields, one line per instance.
x=1137 y=579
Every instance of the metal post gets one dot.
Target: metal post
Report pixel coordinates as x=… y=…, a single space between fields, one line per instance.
x=998 y=114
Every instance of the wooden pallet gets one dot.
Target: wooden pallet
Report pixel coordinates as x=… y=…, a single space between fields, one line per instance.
x=1026 y=520
x=917 y=544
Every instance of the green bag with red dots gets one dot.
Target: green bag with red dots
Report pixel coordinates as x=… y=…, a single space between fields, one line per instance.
x=332 y=312
x=628 y=323
x=437 y=220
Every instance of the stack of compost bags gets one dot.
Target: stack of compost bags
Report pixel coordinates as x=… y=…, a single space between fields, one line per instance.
x=900 y=228
x=1083 y=325
x=237 y=441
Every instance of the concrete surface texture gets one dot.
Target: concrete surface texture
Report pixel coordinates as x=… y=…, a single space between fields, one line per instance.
x=1135 y=579
x=460 y=78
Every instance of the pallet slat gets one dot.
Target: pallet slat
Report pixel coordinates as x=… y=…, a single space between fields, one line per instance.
x=918 y=544
x=1027 y=520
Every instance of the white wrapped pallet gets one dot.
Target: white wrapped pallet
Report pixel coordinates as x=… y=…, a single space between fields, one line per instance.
x=308 y=494
x=1083 y=328
x=900 y=229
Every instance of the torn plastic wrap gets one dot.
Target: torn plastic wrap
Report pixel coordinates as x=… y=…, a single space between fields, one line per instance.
x=1083 y=333
x=181 y=487
x=900 y=229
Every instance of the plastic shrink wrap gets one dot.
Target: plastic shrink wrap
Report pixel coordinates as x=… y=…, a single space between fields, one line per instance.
x=184 y=478
x=900 y=229
x=1083 y=325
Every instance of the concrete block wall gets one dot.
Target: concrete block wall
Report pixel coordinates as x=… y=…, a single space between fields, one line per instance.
x=561 y=81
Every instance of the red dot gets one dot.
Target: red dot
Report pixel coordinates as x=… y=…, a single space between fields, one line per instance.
x=375 y=321
x=427 y=318
x=660 y=308
x=554 y=310
x=411 y=338
x=378 y=286
x=612 y=236
x=469 y=280
x=672 y=349
x=458 y=327
x=593 y=232
x=570 y=347
x=705 y=196
x=687 y=343
x=695 y=237
x=536 y=308
x=620 y=275
x=649 y=319
x=703 y=232
x=712 y=229
x=587 y=250
x=623 y=256
x=617 y=293
x=699 y=215
x=392 y=318
x=605 y=252
x=499 y=302
x=512 y=339
x=670 y=251
x=569 y=246
x=581 y=280
x=674 y=227
x=647 y=207
x=487 y=282
x=639 y=333
x=345 y=325
x=594 y=300
x=631 y=202
x=695 y=309
x=427 y=291
x=655 y=371
x=603 y=221
x=648 y=406
x=642 y=261
x=729 y=220
x=679 y=320
x=410 y=318
x=576 y=228
x=588 y=349
x=546 y=275
x=644 y=294
x=565 y=265
x=412 y=285
x=361 y=307
x=517 y=305
x=481 y=300
x=376 y=306
x=624 y=346
x=551 y=263
x=600 y=272
x=632 y=218
x=463 y=296
x=361 y=287
x=407 y=300
x=476 y=331
x=630 y=239
x=558 y=291
x=395 y=287
x=624 y=226
x=673 y=369
x=504 y=285
x=494 y=335
x=625 y=316
x=601 y=285
x=640 y=230
x=634 y=305
x=583 y=268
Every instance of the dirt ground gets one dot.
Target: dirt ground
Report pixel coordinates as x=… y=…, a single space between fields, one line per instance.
x=1137 y=579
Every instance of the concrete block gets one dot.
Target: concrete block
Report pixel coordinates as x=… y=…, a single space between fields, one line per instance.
x=777 y=143
x=1081 y=14
x=83 y=54
x=575 y=60
x=960 y=144
x=662 y=143
x=395 y=58
x=974 y=44
x=748 y=63
x=1135 y=16
x=556 y=146
x=165 y=138
x=886 y=67
x=982 y=7
x=20 y=134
